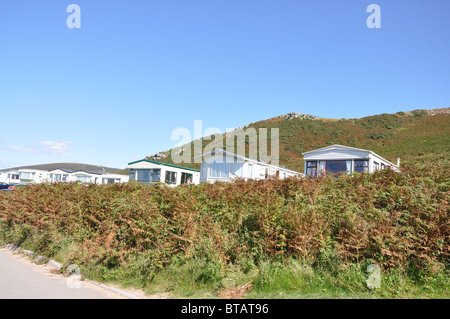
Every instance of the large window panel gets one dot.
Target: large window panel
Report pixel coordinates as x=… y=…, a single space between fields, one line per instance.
x=147 y=175
x=143 y=175
x=204 y=171
x=81 y=178
x=219 y=170
x=27 y=175
x=337 y=166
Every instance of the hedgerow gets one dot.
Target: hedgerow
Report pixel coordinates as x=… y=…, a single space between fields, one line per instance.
x=392 y=219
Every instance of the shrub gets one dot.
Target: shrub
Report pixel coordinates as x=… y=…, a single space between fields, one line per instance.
x=392 y=219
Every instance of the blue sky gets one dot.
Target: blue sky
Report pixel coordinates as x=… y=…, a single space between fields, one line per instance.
x=112 y=91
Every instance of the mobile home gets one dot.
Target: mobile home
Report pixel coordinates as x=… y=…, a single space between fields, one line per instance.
x=338 y=158
x=220 y=165
x=147 y=171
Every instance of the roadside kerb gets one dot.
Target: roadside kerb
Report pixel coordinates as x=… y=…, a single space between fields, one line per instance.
x=54 y=264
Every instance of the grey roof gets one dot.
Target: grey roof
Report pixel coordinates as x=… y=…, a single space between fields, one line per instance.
x=70 y=168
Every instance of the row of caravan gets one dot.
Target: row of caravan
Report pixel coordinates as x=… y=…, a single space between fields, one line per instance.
x=220 y=165
x=25 y=176
x=217 y=165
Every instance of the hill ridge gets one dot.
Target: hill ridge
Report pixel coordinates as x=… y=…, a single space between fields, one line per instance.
x=71 y=166
x=410 y=135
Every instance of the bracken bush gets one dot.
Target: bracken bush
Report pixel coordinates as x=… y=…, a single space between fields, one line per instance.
x=392 y=219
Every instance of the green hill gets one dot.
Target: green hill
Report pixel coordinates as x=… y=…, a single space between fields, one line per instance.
x=416 y=137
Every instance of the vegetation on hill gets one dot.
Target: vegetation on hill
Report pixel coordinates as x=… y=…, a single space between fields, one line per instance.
x=410 y=136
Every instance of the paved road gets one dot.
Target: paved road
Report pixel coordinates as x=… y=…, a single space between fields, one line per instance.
x=22 y=279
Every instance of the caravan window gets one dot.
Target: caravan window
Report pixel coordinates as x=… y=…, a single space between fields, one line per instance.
x=13 y=176
x=81 y=178
x=27 y=175
x=171 y=177
x=185 y=177
x=57 y=177
x=132 y=174
x=338 y=166
x=361 y=166
x=110 y=180
x=311 y=168
x=219 y=169
x=145 y=175
x=156 y=173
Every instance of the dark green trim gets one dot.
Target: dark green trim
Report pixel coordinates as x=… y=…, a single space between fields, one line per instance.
x=165 y=164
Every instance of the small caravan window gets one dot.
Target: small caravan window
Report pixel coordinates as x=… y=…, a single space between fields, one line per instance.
x=311 y=168
x=156 y=173
x=57 y=177
x=171 y=177
x=132 y=174
x=110 y=180
x=361 y=166
x=185 y=177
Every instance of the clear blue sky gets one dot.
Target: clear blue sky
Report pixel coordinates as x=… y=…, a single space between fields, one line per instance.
x=113 y=91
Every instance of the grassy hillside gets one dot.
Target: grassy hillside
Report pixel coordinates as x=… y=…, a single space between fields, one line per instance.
x=416 y=137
